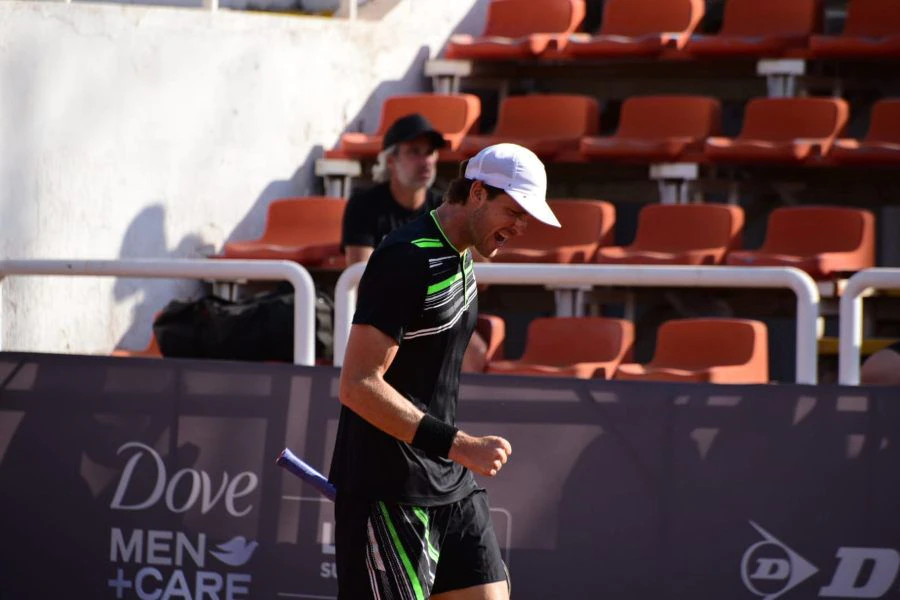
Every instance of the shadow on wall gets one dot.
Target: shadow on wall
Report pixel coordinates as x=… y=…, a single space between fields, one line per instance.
x=146 y=237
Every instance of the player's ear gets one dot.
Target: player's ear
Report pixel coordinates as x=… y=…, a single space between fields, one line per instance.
x=477 y=193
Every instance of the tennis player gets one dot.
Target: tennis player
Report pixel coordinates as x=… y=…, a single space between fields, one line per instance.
x=411 y=521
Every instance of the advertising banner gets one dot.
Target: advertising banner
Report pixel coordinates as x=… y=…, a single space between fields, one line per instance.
x=154 y=479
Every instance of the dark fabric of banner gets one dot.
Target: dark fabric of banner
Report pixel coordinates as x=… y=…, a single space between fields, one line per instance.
x=133 y=478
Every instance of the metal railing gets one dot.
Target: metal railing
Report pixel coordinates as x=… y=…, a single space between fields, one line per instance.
x=850 y=330
x=632 y=275
x=222 y=270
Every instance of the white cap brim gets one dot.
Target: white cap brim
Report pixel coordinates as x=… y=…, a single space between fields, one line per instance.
x=536 y=207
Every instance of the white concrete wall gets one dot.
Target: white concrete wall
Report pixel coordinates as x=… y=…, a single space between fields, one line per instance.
x=131 y=131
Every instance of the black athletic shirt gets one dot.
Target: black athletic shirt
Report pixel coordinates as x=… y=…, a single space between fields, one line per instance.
x=419 y=290
x=372 y=214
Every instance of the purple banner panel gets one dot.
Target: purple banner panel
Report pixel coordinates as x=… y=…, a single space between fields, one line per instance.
x=154 y=479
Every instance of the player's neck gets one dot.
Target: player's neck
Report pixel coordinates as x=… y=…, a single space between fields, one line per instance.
x=408 y=198
x=452 y=219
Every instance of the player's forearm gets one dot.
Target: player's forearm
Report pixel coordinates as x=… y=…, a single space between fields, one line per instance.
x=380 y=404
x=377 y=402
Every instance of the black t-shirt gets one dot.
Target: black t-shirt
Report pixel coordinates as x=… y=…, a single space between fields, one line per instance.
x=420 y=291
x=372 y=214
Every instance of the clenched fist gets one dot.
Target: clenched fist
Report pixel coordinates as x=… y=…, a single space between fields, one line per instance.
x=484 y=455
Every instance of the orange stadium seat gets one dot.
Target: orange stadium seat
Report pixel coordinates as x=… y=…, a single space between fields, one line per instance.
x=492 y=330
x=151 y=351
x=680 y=234
x=657 y=128
x=304 y=230
x=633 y=28
x=880 y=146
x=760 y=28
x=872 y=30
x=452 y=115
x=519 y=29
x=705 y=350
x=824 y=241
x=782 y=130
x=548 y=124
x=586 y=225
x=583 y=347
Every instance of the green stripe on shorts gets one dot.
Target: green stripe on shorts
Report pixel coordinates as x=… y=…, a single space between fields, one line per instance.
x=404 y=558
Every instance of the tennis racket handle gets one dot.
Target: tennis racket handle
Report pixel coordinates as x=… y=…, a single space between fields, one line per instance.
x=290 y=461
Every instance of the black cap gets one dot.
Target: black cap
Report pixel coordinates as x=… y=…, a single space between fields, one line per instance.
x=409 y=128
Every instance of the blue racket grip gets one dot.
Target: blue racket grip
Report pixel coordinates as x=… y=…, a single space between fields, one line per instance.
x=295 y=465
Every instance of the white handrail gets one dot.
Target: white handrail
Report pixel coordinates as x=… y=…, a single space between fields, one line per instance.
x=223 y=270
x=631 y=275
x=344 y=305
x=851 y=309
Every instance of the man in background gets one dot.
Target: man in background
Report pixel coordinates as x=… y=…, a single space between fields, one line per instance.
x=404 y=176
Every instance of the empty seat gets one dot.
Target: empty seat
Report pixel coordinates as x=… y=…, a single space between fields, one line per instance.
x=705 y=350
x=824 y=241
x=760 y=28
x=680 y=234
x=304 y=230
x=586 y=225
x=880 y=146
x=582 y=347
x=871 y=30
x=782 y=130
x=151 y=351
x=657 y=128
x=547 y=124
x=633 y=28
x=518 y=29
x=452 y=115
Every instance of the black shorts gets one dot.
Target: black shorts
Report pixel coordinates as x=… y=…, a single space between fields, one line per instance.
x=402 y=552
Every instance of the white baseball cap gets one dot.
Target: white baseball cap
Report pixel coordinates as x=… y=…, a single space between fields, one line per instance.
x=518 y=172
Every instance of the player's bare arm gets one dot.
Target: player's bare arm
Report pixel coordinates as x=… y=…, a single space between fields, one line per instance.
x=364 y=391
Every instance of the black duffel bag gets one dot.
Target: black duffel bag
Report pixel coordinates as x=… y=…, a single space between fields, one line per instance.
x=260 y=328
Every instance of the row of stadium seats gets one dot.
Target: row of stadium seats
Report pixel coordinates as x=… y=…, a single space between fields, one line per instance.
x=712 y=350
x=549 y=29
x=667 y=128
x=824 y=241
x=701 y=350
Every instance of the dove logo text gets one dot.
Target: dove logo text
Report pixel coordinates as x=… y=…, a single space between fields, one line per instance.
x=184 y=490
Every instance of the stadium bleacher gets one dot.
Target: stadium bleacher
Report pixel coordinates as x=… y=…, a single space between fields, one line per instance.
x=537 y=76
